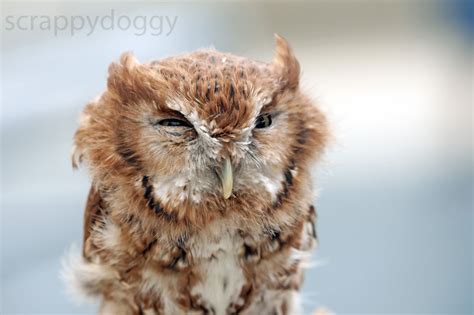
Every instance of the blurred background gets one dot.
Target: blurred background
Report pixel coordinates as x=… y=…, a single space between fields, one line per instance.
x=395 y=78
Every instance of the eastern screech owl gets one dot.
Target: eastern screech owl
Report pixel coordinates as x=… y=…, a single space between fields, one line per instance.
x=201 y=198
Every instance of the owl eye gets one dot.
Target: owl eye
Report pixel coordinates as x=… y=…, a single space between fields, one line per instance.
x=263 y=121
x=171 y=122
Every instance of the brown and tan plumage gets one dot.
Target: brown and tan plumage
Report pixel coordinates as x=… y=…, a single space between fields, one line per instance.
x=201 y=198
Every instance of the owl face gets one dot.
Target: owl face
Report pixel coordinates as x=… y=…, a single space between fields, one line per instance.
x=206 y=126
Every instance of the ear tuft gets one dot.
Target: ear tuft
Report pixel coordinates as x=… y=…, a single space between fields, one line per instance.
x=128 y=60
x=285 y=63
x=127 y=63
x=122 y=74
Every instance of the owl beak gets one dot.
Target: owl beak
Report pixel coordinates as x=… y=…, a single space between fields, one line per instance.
x=227 y=178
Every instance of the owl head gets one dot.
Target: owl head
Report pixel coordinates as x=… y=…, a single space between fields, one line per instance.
x=205 y=130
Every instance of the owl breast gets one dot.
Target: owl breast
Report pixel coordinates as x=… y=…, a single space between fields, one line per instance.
x=226 y=271
x=221 y=270
x=221 y=273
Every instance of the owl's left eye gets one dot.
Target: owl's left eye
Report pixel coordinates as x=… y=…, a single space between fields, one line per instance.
x=172 y=122
x=263 y=121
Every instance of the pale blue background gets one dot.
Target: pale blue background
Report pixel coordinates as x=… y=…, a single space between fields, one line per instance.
x=395 y=204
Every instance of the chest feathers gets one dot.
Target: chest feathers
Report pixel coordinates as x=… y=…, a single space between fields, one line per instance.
x=221 y=270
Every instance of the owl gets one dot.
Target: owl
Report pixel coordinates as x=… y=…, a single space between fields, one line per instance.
x=201 y=199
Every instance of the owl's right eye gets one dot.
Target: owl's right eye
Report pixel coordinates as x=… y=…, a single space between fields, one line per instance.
x=172 y=122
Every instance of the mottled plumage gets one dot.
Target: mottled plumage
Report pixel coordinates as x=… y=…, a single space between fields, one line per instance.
x=201 y=197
